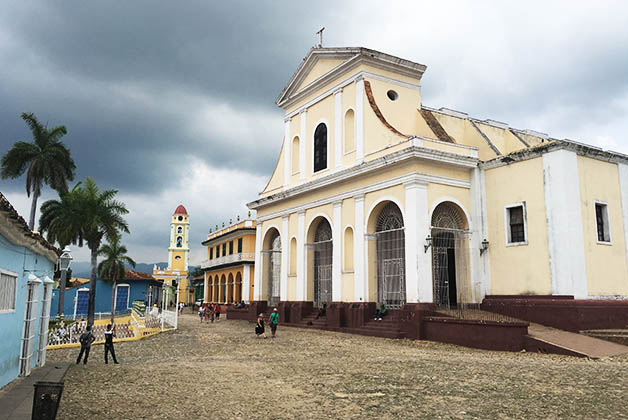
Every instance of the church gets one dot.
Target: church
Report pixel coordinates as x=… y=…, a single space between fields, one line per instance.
x=378 y=199
x=175 y=274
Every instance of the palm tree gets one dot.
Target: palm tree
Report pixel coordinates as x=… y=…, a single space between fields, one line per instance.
x=45 y=160
x=59 y=221
x=86 y=215
x=112 y=267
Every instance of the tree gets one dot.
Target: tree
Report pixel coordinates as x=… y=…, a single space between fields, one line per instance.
x=86 y=215
x=45 y=160
x=59 y=221
x=112 y=267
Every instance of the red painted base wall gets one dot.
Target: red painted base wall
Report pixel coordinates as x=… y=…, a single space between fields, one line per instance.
x=563 y=312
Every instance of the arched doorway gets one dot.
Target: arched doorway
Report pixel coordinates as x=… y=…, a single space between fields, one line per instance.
x=223 y=289
x=449 y=233
x=391 y=256
x=323 y=247
x=230 y=288
x=271 y=255
x=238 y=287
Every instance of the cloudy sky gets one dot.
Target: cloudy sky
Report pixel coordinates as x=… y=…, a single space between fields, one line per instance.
x=173 y=102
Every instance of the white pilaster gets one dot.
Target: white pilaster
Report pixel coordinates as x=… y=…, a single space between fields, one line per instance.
x=338 y=128
x=418 y=269
x=301 y=257
x=360 y=280
x=246 y=282
x=623 y=188
x=206 y=297
x=359 y=119
x=285 y=246
x=336 y=275
x=478 y=264
x=287 y=145
x=257 y=281
x=564 y=224
x=303 y=140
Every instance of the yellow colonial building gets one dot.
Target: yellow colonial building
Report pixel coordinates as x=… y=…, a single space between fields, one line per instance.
x=377 y=198
x=178 y=256
x=229 y=268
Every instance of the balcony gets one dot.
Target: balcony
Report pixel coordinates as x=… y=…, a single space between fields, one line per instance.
x=229 y=259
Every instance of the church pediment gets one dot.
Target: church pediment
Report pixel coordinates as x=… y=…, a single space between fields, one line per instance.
x=322 y=65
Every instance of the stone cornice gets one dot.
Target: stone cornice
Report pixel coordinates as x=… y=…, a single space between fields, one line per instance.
x=367 y=168
x=534 y=152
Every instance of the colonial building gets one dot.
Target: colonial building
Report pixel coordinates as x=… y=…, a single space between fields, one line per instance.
x=27 y=263
x=178 y=256
x=377 y=198
x=228 y=271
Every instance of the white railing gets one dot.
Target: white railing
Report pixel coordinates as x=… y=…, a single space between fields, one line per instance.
x=227 y=259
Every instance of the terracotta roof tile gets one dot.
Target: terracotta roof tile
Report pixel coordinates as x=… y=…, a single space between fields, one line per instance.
x=21 y=224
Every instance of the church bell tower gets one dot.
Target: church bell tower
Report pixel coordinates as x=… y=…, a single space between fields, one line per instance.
x=179 y=250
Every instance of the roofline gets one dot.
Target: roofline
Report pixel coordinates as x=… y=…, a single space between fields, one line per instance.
x=553 y=145
x=16 y=230
x=360 y=55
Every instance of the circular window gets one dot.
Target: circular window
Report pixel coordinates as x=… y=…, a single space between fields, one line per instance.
x=392 y=95
x=177 y=257
x=180 y=218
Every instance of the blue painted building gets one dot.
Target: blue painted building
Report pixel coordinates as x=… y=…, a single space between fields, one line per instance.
x=134 y=286
x=27 y=263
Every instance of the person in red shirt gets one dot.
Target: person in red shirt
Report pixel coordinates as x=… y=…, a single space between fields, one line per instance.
x=217 y=312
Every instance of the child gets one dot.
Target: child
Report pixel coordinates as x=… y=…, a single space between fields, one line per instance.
x=259 y=327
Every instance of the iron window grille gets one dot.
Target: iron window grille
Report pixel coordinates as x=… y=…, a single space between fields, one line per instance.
x=601 y=221
x=8 y=284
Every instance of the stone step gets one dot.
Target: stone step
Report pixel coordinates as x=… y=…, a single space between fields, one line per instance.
x=619 y=336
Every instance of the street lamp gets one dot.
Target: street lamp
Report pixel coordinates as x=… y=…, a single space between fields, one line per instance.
x=64 y=263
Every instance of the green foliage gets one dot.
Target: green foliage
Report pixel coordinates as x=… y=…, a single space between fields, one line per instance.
x=84 y=215
x=112 y=267
x=45 y=160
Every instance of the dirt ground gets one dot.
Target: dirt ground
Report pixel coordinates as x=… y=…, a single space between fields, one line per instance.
x=222 y=371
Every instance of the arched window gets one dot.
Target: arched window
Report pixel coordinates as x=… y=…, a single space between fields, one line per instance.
x=179 y=242
x=348 y=249
x=320 y=147
x=295 y=155
x=349 y=131
x=179 y=229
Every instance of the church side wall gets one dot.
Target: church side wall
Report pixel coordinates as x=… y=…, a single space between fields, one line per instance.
x=524 y=268
x=607 y=274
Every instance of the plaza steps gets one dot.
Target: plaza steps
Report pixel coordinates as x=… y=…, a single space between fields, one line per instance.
x=386 y=328
x=310 y=321
x=619 y=336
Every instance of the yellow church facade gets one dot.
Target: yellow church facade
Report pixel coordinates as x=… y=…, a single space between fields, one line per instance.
x=178 y=256
x=379 y=199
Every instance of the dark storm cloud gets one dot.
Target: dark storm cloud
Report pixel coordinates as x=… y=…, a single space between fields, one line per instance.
x=85 y=64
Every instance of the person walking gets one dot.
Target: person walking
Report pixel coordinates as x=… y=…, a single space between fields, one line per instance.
x=212 y=313
x=201 y=312
x=259 y=327
x=273 y=321
x=218 y=312
x=86 y=340
x=109 y=335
